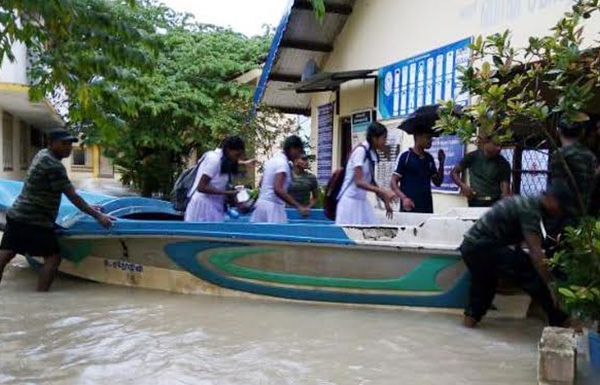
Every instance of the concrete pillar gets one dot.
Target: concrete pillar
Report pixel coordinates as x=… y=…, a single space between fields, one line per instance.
x=557 y=357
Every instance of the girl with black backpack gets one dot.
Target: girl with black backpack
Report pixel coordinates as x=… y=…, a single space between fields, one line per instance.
x=211 y=186
x=353 y=208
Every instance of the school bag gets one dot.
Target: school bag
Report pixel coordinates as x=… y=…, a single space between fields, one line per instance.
x=180 y=195
x=334 y=185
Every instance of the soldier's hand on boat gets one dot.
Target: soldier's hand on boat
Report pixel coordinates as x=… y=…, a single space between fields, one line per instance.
x=105 y=221
x=304 y=210
x=98 y=208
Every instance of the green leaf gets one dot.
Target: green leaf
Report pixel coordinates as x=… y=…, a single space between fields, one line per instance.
x=486 y=69
x=566 y=292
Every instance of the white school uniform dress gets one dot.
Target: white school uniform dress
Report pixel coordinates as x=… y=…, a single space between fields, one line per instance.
x=269 y=207
x=353 y=208
x=208 y=207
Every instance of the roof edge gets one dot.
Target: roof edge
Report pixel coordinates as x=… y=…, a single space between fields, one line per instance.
x=273 y=51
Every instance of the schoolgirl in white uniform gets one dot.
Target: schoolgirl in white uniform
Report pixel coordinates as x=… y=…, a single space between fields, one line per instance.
x=209 y=191
x=353 y=208
x=277 y=177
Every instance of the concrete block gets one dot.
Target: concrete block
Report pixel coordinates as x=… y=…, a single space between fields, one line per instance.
x=557 y=357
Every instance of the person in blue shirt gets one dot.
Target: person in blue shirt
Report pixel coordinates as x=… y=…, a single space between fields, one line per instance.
x=415 y=170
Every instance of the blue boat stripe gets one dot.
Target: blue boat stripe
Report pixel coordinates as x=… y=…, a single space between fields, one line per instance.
x=318 y=234
x=184 y=254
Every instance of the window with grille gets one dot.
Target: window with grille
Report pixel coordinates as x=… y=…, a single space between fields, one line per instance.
x=7 y=141
x=530 y=169
x=24 y=156
x=79 y=157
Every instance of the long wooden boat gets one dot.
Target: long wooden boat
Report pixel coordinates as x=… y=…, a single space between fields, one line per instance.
x=413 y=262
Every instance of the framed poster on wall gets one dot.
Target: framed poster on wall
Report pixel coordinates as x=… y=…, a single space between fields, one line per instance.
x=360 y=122
x=427 y=79
x=454 y=149
x=423 y=80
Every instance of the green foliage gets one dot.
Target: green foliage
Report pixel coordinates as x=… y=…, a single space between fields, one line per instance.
x=319 y=6
x=579 y=259
x=520 y=89
x=191 y=102
x=85 y=48
x=146 y=83
x=519 y=93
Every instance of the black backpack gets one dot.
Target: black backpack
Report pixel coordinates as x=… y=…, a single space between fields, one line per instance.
x=335 y=183
x=180 y=195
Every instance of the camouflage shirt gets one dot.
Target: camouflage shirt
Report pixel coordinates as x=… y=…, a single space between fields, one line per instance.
x=507 y=222
x=582 y=163
x=39 y=201
x=302 y=186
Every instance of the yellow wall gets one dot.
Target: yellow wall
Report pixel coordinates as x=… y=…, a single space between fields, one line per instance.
x=382 y=32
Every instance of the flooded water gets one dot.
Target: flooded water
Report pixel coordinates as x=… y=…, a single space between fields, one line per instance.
x=89 y=333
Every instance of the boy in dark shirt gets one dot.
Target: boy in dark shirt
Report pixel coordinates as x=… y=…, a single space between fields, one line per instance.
x=415 y=170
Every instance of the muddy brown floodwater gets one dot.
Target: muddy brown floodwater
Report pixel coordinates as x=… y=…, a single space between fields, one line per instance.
x=89 y=333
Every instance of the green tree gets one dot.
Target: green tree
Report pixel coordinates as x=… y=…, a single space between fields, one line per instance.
x=147 y=83
x=86 y=49
x=190 y=102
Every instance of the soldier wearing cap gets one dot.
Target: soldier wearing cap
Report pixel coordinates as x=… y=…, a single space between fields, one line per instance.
x=491 y=250
x=30 y=221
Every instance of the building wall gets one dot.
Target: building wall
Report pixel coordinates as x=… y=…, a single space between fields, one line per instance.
x=22 y=150
x=382 y=32
x=95 y=166
x=15 y=72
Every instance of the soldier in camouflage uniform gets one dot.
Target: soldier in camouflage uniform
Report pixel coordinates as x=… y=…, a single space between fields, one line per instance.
x=304 y=187
x=491 y=250
x=581 y=162
x=30 y=221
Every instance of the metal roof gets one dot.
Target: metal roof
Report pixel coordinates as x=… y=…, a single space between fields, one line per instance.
x=299 y=38
x=328 y=81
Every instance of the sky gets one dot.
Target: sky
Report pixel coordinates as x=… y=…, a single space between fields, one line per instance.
x=245 y=16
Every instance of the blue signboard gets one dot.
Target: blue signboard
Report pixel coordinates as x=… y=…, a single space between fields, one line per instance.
x=423 y=80
x=325 y=145
x=454 y=149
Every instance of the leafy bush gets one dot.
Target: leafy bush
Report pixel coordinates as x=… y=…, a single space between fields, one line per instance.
x=579 y=259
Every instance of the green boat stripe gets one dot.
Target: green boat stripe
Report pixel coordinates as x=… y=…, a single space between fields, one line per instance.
x=421 y=278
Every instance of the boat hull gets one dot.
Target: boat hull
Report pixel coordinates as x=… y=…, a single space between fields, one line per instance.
x=351 y=274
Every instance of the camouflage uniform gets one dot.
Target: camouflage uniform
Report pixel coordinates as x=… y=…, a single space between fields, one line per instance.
x=491 y=250
x=30 y=220
x=582 y=163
